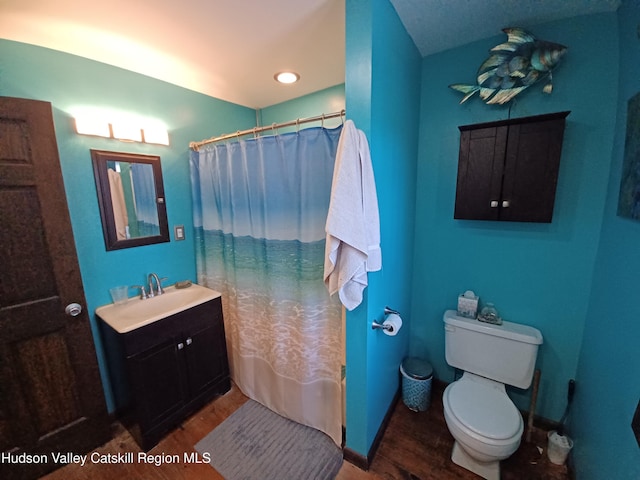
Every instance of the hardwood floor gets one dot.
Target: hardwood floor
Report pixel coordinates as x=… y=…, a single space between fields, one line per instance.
x=415 y=446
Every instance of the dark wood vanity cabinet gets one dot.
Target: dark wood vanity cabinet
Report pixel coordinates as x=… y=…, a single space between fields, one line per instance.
x=165 y=371
x=508 y=170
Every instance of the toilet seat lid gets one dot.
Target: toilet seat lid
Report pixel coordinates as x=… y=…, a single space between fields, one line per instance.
x=484 y=410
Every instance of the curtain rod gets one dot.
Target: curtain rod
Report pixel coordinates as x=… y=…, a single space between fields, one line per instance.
x=255 y=130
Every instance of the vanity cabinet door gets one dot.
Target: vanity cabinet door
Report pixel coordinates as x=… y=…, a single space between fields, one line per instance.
x=205 y=351
x=158 y=383
x=206 y=359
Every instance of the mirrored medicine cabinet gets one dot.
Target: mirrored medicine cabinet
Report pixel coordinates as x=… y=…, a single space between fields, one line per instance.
x=131 y=199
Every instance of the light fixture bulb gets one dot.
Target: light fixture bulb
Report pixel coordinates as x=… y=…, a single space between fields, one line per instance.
x=127 y=131
x=156 y=134
x=92 y=125
x=287 y=77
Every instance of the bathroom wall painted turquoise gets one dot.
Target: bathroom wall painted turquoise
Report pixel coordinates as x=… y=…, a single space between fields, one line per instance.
x=536 y=274
x=326 y=101
x=70 y=82
x=607 y=387
x=382 y=95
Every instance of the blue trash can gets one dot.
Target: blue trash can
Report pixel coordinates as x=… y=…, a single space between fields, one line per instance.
x=416 y=383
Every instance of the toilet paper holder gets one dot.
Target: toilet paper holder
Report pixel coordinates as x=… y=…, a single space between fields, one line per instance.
x=387 y=311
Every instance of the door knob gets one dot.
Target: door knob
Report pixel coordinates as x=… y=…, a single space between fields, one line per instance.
x=73 y=309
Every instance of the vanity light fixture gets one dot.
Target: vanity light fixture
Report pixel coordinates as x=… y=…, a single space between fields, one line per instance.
x=122 y=129
x=287 y=77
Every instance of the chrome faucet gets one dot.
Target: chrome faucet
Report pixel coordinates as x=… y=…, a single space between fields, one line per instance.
x=159 y=289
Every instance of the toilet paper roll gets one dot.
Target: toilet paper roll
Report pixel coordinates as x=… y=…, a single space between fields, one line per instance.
x=395 y=322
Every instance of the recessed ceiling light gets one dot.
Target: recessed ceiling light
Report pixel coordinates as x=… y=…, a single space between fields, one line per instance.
x=287 y=77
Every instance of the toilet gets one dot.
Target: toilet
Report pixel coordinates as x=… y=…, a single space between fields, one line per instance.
x=486 y=425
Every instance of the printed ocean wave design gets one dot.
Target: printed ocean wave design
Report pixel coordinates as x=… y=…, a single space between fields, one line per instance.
x=275 y=286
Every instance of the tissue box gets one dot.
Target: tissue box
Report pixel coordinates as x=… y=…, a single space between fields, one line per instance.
x=468 y=305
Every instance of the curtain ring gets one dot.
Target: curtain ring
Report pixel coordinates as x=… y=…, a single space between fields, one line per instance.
x=274 y=128
x=255 y=132
x=342 y=115
x=322 y=124
x=297 y=125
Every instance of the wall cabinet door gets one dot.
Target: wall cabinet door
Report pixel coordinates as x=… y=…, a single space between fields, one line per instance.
x=480 y=168
x=508 y=170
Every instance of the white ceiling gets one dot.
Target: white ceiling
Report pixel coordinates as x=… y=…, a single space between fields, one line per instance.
x=230 y=49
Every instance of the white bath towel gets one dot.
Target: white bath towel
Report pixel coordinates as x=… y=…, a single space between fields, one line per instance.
x=119 y=205
x=353 y=223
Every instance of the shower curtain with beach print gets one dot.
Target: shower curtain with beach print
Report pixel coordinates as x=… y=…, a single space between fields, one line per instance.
x=260 y=207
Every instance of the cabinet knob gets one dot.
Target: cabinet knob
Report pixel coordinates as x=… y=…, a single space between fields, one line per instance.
x=180 y=346
x=505 y=204
x=189 y=341
x=494 y=204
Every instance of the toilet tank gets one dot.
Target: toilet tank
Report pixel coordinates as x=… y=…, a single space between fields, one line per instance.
x=505 y=353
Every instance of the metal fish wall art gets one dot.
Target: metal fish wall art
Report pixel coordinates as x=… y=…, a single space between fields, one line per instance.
x=513 y=67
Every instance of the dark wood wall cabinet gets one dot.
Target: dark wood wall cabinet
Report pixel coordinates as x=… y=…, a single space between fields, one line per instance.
x=508 y=170
x=163 y=372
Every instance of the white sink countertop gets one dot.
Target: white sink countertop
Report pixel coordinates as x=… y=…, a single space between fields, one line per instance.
x=136 y=313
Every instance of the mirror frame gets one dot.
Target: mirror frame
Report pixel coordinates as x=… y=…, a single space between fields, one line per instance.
x=100 y=159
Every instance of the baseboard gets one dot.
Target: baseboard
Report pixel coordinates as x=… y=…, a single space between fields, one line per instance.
x=355 y=458
x=360 y=460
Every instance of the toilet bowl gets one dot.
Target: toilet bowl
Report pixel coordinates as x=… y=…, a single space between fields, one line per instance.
x=486 y=425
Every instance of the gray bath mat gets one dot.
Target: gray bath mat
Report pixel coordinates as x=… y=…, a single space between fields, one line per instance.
x=255 y=443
